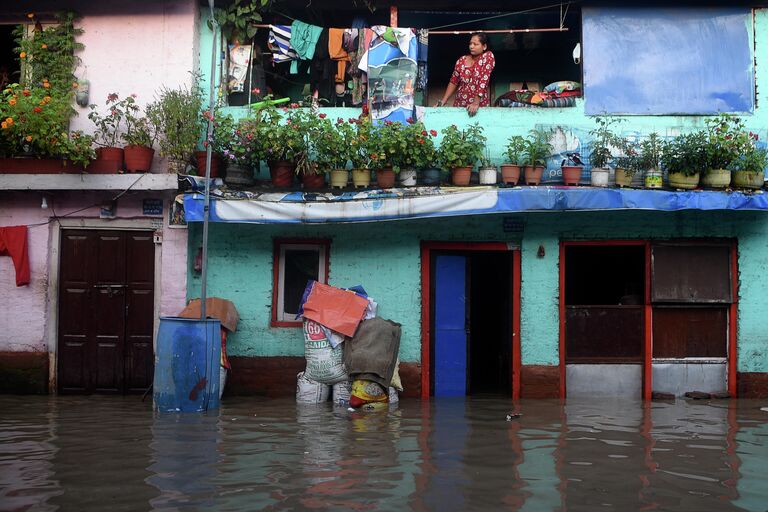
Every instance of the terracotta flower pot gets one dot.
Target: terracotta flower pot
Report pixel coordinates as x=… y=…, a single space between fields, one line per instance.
x=138 y=158
x=31 y=166
x=361 y=178
x=385 y=178
x=571 y=174
x=533 y=174
x=460 y=176
x=217 y=165
x=281 y=172
x=312 y=180
x=510 y=174
x=108 y=161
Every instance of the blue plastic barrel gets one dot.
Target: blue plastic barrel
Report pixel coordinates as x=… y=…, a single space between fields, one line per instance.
x=187 y=365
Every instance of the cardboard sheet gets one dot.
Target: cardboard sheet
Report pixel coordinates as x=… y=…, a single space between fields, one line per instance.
x=337 y=309
x=215 y=307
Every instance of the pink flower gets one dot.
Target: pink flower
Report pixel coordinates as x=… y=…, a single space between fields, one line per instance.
x=256 y=90
x=433 y=133
x=322 y=116
x=339 y=120
x=112 y=97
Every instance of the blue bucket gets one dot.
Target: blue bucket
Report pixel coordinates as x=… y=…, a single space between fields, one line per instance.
x=187 y=365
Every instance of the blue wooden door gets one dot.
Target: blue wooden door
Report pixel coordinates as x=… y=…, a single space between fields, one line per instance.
x=450 y=355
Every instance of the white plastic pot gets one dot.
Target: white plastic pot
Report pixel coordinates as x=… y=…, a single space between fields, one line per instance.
x=599 y=176
x=488 y=175
x=408 y=177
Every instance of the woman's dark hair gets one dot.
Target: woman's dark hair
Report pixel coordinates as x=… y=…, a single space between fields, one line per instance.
x=482 y=37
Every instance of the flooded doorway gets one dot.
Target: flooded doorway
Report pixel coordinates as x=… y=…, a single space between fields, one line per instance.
x=106 y=311
x=472 y=310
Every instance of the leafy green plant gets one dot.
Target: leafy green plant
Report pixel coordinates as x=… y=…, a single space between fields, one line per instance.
x=461 y=148
x=724 y=143
x=176 y=113
x=753 y=160
x=108 y=126
x=386 y=144
x=331 y=143
x=139 y=129
x=515 y=150
x=78 y=148
x=362 y=154
x=418 y=148
x=32 y=122
x=685 y=154
x=603 y=139
x=537 y=147
x=49 y=56
x=651 y=149
x=237 y=19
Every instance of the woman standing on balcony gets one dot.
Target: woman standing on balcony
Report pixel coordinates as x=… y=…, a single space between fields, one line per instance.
x=471 y=76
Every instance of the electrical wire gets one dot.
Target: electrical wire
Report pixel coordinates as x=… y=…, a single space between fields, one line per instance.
x=560 y=4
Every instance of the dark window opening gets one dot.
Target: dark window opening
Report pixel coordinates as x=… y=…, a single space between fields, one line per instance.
x=604 y=297
x=691 y=273
x=490 y=323
x=301 y=266
x=10 y=68
x=680 y=332
x=604 y=275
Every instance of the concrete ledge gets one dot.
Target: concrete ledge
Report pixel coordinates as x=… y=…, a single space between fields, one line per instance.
x=145 y=181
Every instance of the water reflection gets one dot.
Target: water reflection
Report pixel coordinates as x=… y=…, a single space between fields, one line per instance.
x=255 y=454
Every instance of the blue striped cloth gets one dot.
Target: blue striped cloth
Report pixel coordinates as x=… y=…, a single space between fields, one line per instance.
x=279 y=42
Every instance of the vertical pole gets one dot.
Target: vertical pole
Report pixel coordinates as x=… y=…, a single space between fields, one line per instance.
x=392 y=15
x=207 y=202
x=561 y=308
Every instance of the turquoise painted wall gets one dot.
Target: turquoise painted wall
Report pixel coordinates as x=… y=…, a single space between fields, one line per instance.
x=384 y=258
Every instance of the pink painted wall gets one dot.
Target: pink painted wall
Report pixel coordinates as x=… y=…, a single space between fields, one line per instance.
x=24 y=317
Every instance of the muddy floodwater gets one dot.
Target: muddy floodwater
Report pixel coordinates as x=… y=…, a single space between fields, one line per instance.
x=108 y=453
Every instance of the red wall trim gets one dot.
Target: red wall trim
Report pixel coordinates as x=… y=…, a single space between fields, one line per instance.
x=276 y=243
x=426 y=321
x=733 y=321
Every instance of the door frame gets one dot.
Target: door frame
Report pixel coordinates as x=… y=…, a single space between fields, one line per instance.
x=647 y=384
x=54 y=261
x=427 y=247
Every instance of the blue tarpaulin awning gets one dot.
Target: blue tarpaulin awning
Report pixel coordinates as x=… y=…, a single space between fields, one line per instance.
x=425 y=202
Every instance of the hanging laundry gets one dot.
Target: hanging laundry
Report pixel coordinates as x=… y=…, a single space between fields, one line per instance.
x=13 y=243
x=422 y=36
x=304 y=38
x=322 y=71
x=239 y=62
x=279 y=42
x=359 y=75
x=391 y=65
x=338 y=53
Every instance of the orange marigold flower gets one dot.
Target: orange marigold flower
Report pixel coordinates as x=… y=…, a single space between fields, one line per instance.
x=37 y=109
x=28 y=138
x=9 y=120
x=43 y=46
x=4 y=125
x=23 y=55
x=46 y=85
x=74 y=85
x=30 y=15
x=12 y=101
x=26 y=92
x=42 y=102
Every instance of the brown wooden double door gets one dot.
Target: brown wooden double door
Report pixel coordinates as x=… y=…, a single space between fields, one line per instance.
x=106 y=311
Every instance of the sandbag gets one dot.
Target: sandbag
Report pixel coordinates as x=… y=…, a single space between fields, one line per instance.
x=310 y=392
x=341 y=392
x=325 y=364
x=366 y=392
x=393 y=396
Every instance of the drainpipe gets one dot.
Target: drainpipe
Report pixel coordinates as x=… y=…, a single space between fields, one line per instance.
x=208 y=152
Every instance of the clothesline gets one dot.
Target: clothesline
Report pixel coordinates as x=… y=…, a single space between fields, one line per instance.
x=459 y=32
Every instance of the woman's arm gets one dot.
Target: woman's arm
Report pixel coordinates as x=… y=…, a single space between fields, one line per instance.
x=448 y=93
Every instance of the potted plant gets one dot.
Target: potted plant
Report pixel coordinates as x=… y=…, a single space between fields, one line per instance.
x=34 y=127
x=332 y=149
x=515 y=152
x=418 y=152
x=684 y=158
x=537 y=149
x=139 y=137
x=603 y=139
x=109 y=156
x=361 y=153
x=649 y=160
x=285 y=143
x=486 y=170
x=749 y=167
x=246 y=152
x=220 y=142
x=722 y=148
x=386 y=148
x=572 y=171
x=176 y=113
x=460 y=149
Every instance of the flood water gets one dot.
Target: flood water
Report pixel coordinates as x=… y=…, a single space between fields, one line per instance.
x=104 y=453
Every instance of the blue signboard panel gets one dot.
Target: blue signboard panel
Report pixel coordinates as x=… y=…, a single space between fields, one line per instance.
x=450 y=367
x=652 y=61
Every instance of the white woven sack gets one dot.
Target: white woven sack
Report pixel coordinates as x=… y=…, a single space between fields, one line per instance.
x=324 y=363
x=310 y=392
